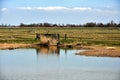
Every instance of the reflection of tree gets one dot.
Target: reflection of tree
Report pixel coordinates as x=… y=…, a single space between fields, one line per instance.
x=48 y=50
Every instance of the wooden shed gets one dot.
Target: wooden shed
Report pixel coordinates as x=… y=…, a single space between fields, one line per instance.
x=48 y=39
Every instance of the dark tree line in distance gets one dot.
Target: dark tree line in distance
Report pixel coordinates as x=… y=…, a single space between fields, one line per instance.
x=90 y=24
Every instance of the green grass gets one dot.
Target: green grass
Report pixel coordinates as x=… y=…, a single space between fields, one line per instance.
x=84 y=35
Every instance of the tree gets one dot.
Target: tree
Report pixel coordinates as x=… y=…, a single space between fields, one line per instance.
x=22 y=25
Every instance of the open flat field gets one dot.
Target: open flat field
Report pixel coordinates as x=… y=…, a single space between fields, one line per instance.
x=83 y=35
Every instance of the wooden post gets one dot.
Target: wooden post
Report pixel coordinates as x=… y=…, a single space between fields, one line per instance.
x=58 y=39
x=37 y=36
x=58 y=36
x=65 y=36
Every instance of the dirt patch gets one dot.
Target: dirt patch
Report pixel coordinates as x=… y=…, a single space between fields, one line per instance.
x=13 y=46
x=102 y=52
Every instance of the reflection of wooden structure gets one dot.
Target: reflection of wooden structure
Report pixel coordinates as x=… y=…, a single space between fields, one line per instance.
x=48 y=50
x=48 y=39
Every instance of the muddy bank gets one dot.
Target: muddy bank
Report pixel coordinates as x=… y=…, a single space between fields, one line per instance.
x=101 y=51
x=24 y=45
x=13 y=46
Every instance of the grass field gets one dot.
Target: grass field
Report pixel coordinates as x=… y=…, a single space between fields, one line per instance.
x=83 y=35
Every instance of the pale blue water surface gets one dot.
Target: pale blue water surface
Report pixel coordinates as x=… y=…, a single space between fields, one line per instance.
x=44 y=64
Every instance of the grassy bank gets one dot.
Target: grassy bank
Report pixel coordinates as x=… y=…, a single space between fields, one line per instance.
x=84 y=36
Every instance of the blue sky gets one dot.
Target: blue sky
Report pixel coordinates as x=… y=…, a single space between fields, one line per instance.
x=58 y=11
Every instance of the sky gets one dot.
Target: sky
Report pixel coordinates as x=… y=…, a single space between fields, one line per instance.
x=15 y=12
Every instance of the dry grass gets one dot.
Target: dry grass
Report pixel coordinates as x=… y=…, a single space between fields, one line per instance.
x=85 y=36
x=101 y=51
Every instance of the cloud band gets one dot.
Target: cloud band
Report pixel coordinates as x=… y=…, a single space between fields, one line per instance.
x=53 y=8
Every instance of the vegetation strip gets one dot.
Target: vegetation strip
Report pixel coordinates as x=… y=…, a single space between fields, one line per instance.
x=83 y=35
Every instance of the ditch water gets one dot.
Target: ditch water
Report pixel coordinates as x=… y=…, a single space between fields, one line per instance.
x=53 y=63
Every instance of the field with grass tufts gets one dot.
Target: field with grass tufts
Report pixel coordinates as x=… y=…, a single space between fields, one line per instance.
x=84 y=35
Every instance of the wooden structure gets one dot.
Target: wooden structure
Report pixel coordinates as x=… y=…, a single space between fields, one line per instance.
x=48 y=39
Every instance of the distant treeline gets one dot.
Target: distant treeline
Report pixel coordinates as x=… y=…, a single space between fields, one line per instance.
x=90 y=24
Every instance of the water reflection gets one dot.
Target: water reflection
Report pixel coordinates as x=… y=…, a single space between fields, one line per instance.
x=48 y=50
x=52 y=63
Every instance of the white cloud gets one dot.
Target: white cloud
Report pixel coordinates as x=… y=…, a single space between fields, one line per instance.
x=54 y=8
x=25 y=8
x=82 y=8
x=61 y=8
x=3 y=9
x=51 y=8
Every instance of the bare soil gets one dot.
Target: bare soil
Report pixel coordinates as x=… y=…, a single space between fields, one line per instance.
x=13 y=46
x=101 y=51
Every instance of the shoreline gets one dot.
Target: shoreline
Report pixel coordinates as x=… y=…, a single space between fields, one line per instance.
x=101 y=51
x=93 y=50
x=14 y=45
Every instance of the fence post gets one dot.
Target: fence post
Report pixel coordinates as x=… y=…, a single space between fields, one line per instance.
x=65 y=36
x=58 y=36
x=37 y=36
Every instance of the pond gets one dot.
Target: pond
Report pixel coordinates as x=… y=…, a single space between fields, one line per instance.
x=52 y=63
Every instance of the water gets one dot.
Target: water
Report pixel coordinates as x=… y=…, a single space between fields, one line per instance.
x=56 y=64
